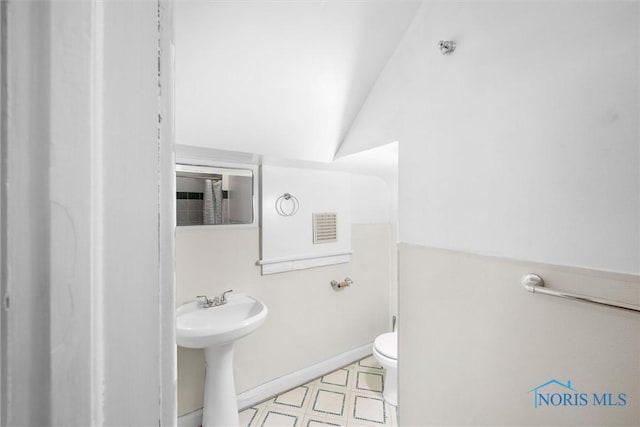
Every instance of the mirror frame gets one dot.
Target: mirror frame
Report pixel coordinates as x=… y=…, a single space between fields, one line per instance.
x=212 y=166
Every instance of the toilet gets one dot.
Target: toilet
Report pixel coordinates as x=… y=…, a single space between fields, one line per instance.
x=385 y=351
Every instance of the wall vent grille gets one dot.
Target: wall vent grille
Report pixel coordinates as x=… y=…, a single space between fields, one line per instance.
x=325 y=227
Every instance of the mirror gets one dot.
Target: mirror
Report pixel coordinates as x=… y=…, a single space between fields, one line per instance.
x=207 y=195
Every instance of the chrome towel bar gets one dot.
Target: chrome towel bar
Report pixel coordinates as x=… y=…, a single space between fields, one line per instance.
x=534 y=284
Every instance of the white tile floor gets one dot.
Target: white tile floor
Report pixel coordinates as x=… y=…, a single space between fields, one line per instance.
x=350 y=396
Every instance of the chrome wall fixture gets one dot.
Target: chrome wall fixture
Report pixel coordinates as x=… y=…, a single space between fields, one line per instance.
x=447 y=46
x=287 y=205
x=534 y=284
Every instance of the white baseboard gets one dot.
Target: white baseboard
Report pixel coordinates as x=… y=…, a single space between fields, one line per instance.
x=295 y=379
x=284 y=383
x=192 y=419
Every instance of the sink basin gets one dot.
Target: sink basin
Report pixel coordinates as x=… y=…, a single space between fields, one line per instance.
x=198 y=327
x=215 y=329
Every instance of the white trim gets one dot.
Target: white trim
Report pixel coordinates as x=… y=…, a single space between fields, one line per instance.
x=192 y=419
x=287 y=382
x=563 y=268
x=303 y=376
x=270 y=267
x=167 y=398
x=187 y=228
x=214 y=156
x=96 y=212
x=301 y=257
x=212 y=170
x=184 y=158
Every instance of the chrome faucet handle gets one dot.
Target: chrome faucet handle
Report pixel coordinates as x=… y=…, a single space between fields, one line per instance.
x=206 y=302
x=223 y=298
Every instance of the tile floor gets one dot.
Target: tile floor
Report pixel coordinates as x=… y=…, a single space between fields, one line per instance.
x=350 y=396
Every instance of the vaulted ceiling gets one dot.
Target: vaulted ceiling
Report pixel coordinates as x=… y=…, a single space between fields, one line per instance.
x=279 y=78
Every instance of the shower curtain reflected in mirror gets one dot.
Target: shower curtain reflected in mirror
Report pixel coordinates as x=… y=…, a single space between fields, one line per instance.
x=212 y=206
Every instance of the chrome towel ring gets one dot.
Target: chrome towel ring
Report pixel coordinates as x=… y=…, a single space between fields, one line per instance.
x=287 y=205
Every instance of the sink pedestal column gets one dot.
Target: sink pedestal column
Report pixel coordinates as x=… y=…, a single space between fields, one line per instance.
x=220 y=401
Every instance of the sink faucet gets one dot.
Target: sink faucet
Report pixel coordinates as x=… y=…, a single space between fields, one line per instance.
x=223 y=299
x=215 y=301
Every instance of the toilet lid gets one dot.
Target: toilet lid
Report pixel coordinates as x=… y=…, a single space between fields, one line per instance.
x=387 y=344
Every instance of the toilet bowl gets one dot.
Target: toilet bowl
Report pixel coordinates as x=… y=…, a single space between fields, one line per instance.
x=385 y=351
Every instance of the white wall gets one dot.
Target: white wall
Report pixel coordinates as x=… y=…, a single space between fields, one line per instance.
x=87 y=281
x=522 y=144
x=309 y=322
x=279 y=78
x=287 y=238
x=530 y=129
x=474 y=343
x=373 y=200
x=382 y=162
x=377 y=203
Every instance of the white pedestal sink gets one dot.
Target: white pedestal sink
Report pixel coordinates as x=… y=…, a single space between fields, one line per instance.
x=215 y=329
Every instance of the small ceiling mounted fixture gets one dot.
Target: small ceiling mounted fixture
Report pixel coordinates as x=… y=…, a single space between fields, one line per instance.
x=447 y=46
